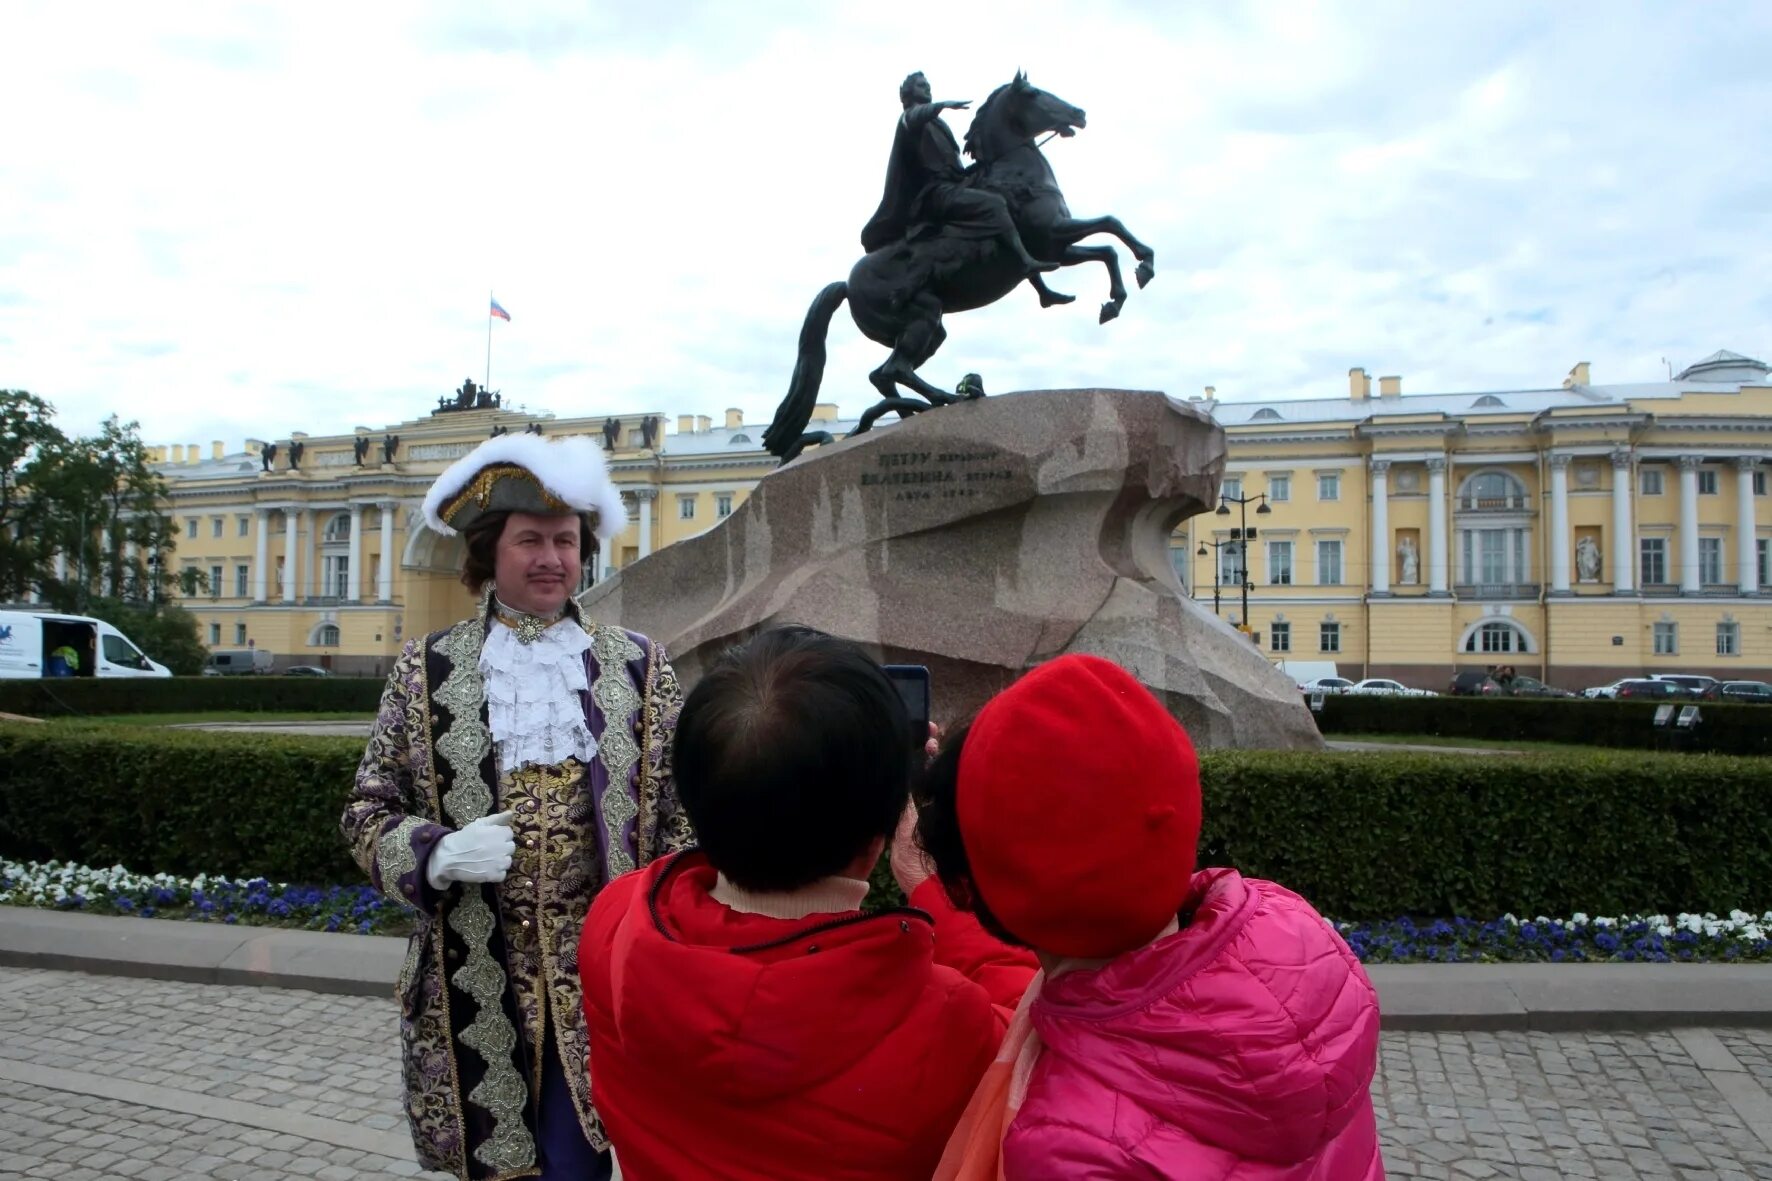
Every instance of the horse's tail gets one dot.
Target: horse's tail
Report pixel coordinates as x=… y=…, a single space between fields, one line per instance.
x=796 y=409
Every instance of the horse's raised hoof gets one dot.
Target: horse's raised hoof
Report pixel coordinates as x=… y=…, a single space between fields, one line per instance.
x=1147 y=270
x=1055 y=299
x=1110 y=311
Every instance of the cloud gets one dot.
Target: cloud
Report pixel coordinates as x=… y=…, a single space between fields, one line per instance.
x=245 y=220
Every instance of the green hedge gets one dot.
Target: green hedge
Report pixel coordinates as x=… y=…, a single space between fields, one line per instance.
x=1724 y=727
x=82 y=697
x=1361 y=835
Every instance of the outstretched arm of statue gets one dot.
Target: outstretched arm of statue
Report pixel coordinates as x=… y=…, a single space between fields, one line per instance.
x=389 y=836
x=920 y=115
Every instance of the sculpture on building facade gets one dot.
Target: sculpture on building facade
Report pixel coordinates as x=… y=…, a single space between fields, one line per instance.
x=1408 y=561
x=611 y=433
x=267 y=455
x=1587 y=558
x=296 y=447
x=361 y=448
x=649 y=432
x=939 y=242
x=389 y=445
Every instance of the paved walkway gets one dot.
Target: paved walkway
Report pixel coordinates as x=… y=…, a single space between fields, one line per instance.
x=108 y=1077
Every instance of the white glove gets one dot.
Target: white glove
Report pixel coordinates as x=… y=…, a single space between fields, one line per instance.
x=481 y=852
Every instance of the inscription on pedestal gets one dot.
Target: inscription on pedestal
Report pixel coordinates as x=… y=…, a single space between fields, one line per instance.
x=938 y=475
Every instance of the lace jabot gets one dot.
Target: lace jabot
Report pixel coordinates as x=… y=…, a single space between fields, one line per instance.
x=533 y=702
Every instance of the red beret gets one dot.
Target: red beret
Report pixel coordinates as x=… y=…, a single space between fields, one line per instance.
x=1079 y=806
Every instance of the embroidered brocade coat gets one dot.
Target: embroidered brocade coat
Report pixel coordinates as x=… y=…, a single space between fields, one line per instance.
x=488 y=966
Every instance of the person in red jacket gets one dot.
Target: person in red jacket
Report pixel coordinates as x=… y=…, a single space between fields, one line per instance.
x=1190 y=1024
x=747 y=1019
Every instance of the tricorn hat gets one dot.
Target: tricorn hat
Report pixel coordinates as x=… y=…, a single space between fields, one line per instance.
x=527 y=474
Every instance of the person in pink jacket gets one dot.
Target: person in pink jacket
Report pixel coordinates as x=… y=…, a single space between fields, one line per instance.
x=1187 y=1024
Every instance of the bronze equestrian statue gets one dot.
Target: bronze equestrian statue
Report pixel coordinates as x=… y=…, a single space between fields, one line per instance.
x=940 y=242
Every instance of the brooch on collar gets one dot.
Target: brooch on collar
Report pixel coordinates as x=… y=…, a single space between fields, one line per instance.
x=529 y=628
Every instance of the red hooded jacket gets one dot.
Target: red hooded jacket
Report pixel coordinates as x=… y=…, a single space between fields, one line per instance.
x=832 y=1048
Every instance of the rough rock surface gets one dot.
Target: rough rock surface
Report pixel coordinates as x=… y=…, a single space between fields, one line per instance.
x=981 y=539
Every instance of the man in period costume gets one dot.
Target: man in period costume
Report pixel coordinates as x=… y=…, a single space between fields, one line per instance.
x=520 y=760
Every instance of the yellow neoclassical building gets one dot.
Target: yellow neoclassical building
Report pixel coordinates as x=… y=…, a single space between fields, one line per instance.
x=1580 y=532
x=317 y=551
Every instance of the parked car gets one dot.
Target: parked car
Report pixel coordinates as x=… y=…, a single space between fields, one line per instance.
x=1645 y=689
x=1474 y=684
x=1327 y=685
x=1606 y=691
x=306 y=670
x=45 y=644
x=1747 y=691
x=1382 y=687
x=238 y=662
x=1704 y=688
x=1519 y=686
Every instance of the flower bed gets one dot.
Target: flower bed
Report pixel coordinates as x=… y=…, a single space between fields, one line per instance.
x=1657 y=939
x=1735 y=938
x=203 y=899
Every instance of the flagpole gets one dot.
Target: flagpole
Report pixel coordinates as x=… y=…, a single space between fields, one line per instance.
x=489 y=341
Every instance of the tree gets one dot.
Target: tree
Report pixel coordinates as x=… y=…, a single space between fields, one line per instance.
x=101 y=508
x=27 y=434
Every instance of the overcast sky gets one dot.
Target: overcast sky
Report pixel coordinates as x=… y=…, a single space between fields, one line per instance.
x=229 y=220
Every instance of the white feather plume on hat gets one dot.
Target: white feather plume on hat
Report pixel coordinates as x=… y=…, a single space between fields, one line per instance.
x=567 y=471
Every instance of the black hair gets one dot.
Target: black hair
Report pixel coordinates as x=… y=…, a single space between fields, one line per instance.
x=938 y=832
x=790 y=757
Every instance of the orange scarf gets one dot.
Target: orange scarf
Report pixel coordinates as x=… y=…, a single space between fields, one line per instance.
x=975 y=1150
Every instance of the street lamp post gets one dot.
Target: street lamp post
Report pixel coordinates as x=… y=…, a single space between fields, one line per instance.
x=1216 y=565
x=1241 y=537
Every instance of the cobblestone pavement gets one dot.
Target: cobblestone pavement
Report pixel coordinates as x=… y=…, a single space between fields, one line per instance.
x=110 y=1078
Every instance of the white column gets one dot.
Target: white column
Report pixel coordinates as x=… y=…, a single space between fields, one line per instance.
x=1436 y=526
x=1748 y=563
x=310 y=551
x=105 y=586
x=354 y=575
x=645 y=496
x=262 y=559
x=1559 y=469
x=1624 y=546
x=61 y=567
x=289 y=528
x=1381 y=527
x=384 y=574
x=1689 y=582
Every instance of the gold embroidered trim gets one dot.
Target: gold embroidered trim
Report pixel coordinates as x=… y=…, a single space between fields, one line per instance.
x=501 y=1092
x=465 y=746
x=479 y=490
x=616 y=696
x=394 y=857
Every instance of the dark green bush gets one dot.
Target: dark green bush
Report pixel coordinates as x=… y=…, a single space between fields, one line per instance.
x=158 y=800
x=83 y=697
x=1361 y=835
x=1724 y=727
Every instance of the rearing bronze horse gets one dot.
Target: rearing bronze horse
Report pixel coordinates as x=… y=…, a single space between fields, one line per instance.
x=898 y=294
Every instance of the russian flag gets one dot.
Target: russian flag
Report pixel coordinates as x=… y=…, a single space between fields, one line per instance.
x=500 y=312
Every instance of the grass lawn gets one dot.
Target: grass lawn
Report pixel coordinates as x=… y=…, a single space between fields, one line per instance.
x=229 y=715
x=1467 y=743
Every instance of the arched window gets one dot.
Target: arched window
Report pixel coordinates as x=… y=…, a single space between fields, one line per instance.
x=326 y=636
x=1492 y=491
x=1496 y=637
x=1265 y=414
x=737 y=439
x=1487 y=400
x=339 y=528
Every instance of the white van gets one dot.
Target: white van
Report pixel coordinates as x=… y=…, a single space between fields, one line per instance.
x=238 y=662
x=36 y=644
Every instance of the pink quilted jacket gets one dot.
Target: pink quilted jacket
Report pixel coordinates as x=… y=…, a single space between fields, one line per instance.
x=1241 y=1047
